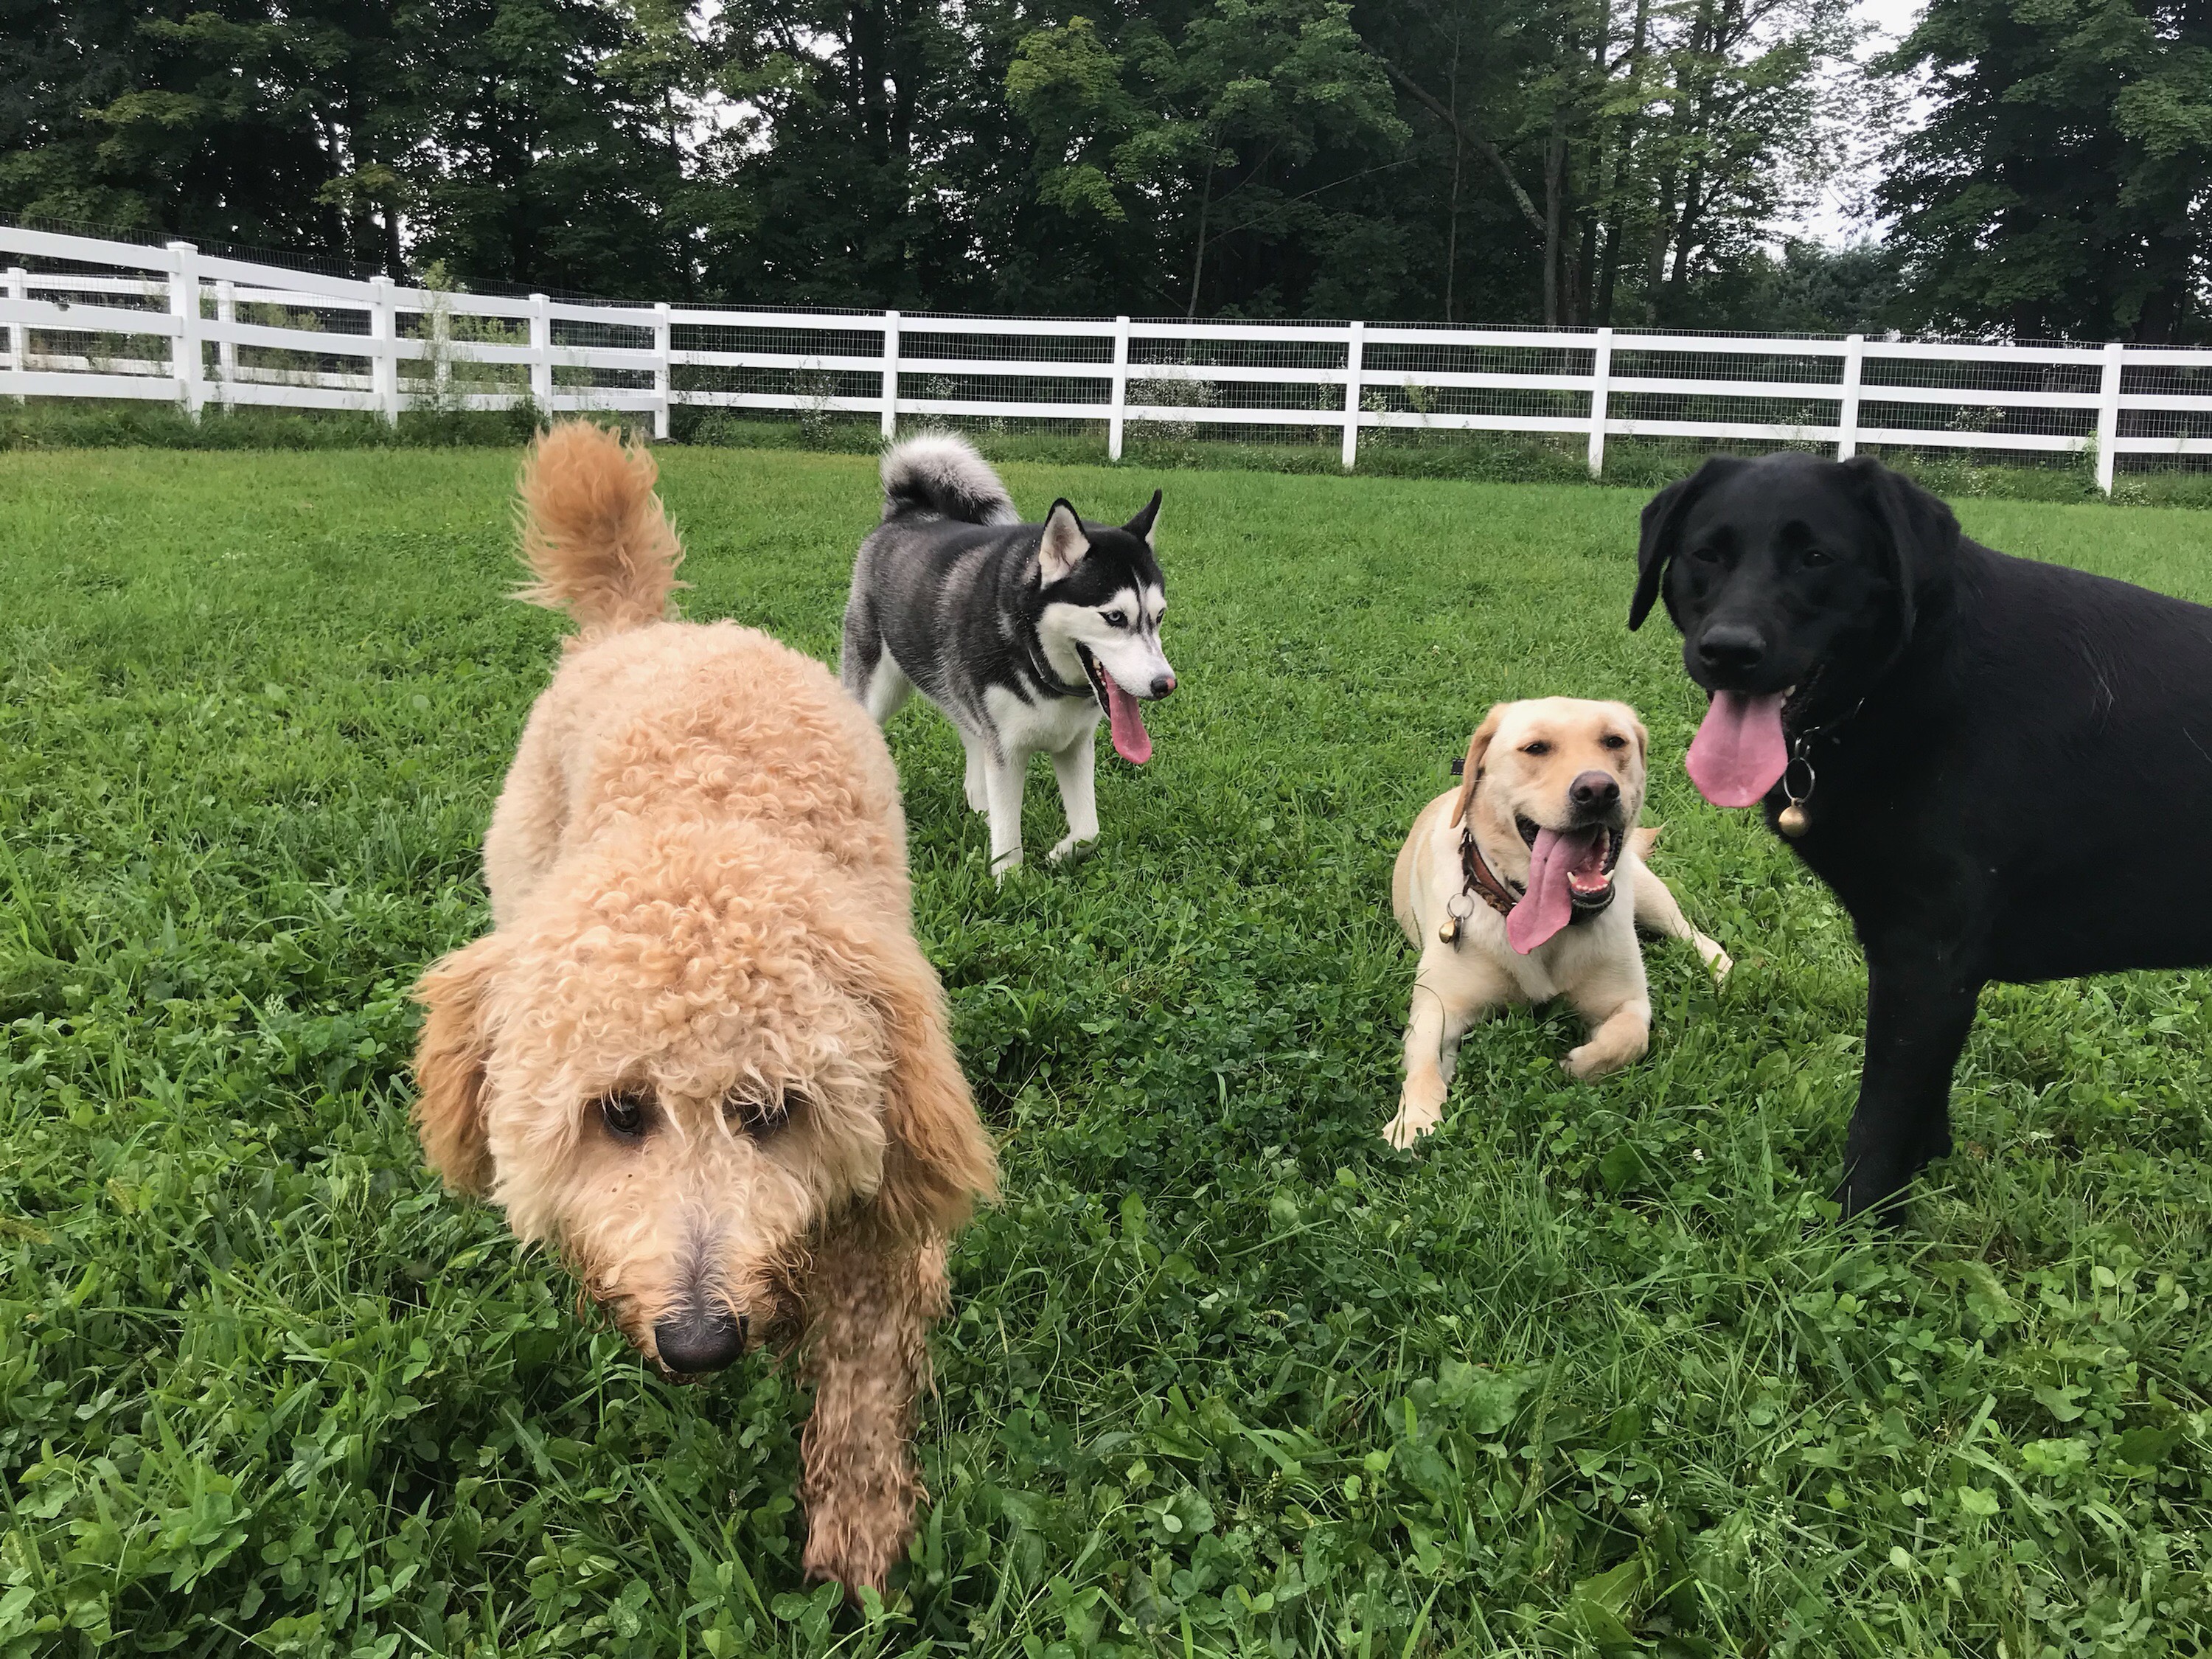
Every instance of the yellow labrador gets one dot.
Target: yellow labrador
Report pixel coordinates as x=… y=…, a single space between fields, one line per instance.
x=1506 y=888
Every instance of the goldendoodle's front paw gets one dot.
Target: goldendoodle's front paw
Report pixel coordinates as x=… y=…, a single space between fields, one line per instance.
x=1068 y=850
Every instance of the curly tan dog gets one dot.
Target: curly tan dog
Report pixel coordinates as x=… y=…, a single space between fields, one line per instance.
x=700 y=1053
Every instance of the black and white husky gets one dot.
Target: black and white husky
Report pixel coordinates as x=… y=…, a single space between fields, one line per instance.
x=1023 y=634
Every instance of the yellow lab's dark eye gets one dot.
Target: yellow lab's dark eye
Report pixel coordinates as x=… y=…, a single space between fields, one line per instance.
x=1612 y=740
x=623 y=1112
x=1538 y=747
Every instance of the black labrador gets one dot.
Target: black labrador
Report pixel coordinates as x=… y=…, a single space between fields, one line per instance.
x=2001 y=768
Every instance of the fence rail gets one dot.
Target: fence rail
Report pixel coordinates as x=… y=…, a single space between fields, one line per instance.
x=91 y=319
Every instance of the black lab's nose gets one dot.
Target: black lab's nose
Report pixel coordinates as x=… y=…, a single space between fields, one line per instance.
x=1594 y=791
x=1162 y=684
x=1731 y=648
x=698 y=1340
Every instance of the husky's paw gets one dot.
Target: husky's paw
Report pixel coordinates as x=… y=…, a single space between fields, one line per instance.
x=977 y=800
x=1006 y=866
x=1068 y=850
x=1412 y=1121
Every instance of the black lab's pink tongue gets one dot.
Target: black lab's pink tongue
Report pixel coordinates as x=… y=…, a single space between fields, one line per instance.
x=1549 y=903
x=1739 y=753
x=1131 y=741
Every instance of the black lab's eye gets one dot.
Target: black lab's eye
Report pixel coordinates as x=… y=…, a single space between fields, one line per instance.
x=1117 y=619
x=1816 y=556
x=1706 y=555
x=623 y=1113
x=1612 y=740
x=1538 y=747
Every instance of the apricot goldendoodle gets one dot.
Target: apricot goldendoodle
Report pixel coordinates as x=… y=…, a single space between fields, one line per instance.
x=700 y=1052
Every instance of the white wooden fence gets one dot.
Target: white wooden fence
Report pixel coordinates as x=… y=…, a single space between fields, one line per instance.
x=92 y=318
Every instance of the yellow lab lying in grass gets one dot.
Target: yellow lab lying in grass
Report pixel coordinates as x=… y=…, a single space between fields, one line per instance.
x=1506 y=888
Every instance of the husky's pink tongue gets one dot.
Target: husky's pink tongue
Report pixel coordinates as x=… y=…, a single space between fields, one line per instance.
x=1131 y=741
x=1739 y=753
x=1549 y=903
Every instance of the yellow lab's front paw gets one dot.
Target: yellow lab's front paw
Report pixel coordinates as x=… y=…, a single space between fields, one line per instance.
x=1414 y=1120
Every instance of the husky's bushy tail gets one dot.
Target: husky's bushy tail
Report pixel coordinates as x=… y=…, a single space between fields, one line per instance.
x=597 y=539
x=940 y=473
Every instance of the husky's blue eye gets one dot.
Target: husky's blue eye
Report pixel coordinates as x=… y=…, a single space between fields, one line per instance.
x=1117 y=619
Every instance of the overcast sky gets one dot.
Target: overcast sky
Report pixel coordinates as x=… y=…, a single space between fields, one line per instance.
x=1832 y=218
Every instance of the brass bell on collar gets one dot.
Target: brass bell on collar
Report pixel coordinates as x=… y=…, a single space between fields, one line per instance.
x=1792 y=821
x=1448 y=931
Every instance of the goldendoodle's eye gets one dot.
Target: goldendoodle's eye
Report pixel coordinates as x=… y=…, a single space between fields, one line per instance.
x=624 y=1114
x=760 y=1116
x=1538 y=747
x=1612 y=740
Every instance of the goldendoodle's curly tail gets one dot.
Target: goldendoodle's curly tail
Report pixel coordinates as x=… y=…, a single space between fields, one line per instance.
x=596 y=537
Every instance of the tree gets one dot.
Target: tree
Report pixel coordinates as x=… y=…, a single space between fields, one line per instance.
x=2059 y=189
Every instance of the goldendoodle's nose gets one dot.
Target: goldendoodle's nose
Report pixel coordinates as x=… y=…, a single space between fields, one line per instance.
x=1594 y=791
x=700 y=1339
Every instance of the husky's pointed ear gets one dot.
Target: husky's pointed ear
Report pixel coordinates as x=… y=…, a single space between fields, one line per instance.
x=1064 y=544
x=1478 y=750
x=1142 y=524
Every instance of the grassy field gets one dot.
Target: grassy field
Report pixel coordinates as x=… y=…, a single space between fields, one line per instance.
x=1593 y=1374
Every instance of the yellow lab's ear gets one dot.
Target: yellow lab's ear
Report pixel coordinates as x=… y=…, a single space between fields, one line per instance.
x=1477 y=748
x=1643 y=739
x=450 y=1059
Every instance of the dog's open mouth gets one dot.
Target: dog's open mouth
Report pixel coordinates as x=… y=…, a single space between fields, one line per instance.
x=1590 y=853
x=1740 y=752
x=1125 y=718
x=1569 y=871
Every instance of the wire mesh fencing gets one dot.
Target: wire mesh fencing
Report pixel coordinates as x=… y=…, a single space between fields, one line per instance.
x=89 y=318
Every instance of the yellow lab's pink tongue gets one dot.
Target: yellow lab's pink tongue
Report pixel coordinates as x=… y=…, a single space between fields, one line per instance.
x=1549 y=903
x=1739 y=753
x=1131 y=741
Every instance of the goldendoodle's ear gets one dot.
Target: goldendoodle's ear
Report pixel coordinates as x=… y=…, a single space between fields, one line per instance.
x=938 y=1163
x=449 y=1064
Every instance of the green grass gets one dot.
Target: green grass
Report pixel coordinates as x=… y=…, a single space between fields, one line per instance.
x=1595 y=1374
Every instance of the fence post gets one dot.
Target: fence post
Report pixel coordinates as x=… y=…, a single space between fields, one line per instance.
x=1354 y=354
x=226 y=348
x=19 y=333
x=1115 y=418
x=184 y=305
x=890 y=375
x=2108 y=415
x=1847 y=413
x=1600 y=389
x=541 y=355
x=384 y=350
x=663 y=377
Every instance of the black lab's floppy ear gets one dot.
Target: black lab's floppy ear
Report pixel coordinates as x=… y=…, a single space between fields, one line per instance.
x=1921 y=531
x=1064 y=544
x=1662 y=531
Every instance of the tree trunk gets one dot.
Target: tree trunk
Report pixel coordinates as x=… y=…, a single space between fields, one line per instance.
x=1555 y=204
x=1197 y=259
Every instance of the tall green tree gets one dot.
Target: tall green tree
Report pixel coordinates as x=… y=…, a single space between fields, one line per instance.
x=2062 y=185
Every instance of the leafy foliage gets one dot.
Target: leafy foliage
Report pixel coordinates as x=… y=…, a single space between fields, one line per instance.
x=1596 y=1373
x=2059 y=188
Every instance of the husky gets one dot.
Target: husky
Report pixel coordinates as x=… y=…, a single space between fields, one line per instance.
x=1023 y=634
